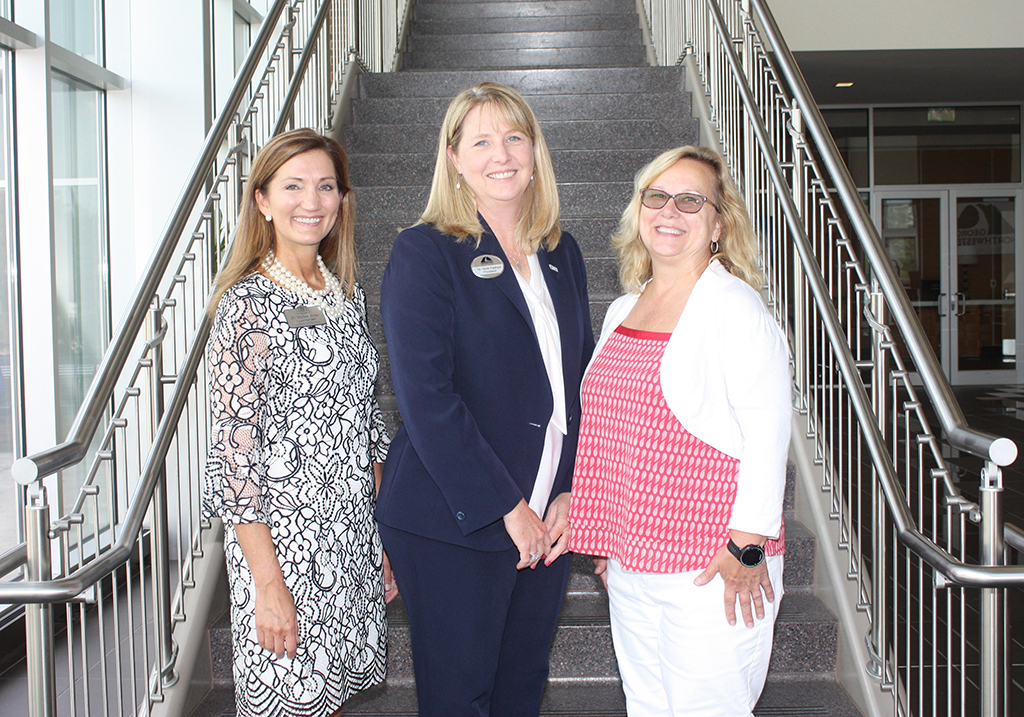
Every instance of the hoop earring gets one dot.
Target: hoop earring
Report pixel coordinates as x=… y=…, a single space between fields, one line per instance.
x=714 y=246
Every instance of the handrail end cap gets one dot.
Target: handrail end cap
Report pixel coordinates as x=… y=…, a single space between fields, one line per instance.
x=24 y=471
x=1002 y=452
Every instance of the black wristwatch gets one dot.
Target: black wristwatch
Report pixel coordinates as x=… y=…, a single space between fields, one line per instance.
x=751 y=556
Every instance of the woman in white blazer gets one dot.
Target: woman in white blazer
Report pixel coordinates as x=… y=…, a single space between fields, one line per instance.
x=681 y=465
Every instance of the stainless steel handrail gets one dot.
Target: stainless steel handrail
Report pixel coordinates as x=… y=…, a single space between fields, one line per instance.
x=956 y=571
x=1001 y=451
x=73 y=448
x=285 y=116
x=70 y=587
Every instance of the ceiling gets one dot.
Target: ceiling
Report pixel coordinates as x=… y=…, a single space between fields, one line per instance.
x=915 y=76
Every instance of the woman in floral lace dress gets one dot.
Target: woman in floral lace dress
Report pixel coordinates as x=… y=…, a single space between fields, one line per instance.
x=298 y=440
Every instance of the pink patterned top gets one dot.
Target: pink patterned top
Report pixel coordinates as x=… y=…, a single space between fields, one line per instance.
x=646 y=492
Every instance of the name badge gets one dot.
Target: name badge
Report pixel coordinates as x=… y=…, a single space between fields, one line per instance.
x=302 y=316
x=487 y=266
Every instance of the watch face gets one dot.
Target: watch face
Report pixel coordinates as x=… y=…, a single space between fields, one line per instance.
x=752 y=555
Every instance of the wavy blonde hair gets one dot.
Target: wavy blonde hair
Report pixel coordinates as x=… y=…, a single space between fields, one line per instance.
x=737 y=245
x=254 y=237
x=454 y=211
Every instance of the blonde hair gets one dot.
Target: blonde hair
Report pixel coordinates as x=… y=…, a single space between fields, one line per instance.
x=737 y=245
x=254 y=237
x=454 y=211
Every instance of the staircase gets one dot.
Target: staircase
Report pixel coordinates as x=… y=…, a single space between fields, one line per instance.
x=605 y=113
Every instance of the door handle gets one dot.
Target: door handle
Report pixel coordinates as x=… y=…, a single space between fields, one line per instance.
x=1007 y=294
x=943 y=301
x=961 y=304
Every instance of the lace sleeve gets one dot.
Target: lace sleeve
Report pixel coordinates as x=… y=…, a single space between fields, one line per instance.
x=379 y=440
x=237 y=357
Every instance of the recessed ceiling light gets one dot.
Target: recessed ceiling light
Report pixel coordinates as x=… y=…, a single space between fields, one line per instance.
x=844 y=84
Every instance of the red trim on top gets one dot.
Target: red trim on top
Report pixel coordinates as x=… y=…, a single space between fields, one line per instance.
x=638 y=334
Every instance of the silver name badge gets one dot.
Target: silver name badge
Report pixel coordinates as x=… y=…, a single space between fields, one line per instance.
x=302 y=316
x=487 y=266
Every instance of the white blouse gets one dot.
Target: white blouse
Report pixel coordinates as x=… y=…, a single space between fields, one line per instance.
x=545 y=324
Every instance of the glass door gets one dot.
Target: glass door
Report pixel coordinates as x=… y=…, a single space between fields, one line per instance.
x=955 y=254
x=983 y=288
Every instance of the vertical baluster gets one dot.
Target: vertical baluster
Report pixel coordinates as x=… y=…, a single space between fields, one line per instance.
x=992 y=638
x=39 y=645
x=160 y=557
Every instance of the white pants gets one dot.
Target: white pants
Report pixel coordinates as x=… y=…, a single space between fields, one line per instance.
x=677 y=653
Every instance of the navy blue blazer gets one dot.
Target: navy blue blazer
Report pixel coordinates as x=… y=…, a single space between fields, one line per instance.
x=471 y=385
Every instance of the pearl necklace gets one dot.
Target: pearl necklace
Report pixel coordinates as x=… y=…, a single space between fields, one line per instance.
x=275 y=269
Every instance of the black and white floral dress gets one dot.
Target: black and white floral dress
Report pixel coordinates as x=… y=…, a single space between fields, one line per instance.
x=296 y=429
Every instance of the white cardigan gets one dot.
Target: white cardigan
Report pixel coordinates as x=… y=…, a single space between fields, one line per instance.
x=725 y=375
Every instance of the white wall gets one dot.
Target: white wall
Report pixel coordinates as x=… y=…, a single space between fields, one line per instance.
x=810 y=25
x=155 y=127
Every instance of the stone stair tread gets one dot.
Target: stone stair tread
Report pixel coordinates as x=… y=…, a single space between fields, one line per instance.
x=550 y=23
x=598 y=106
x=557 y=57
x=447 y=83
x=604 y=698
x=524 y=40
x=535 y=8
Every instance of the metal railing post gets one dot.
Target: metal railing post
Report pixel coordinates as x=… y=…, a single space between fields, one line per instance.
x=160 y=540
x=42 y=693
x=994 y=658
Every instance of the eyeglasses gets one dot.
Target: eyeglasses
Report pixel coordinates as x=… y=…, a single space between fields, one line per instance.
x=686 y=202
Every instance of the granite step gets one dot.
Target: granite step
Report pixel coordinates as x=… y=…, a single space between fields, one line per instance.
x=448 y=83
x=634 y=56
x=590 y=698
x=535 y=8
x=523 y=40
x=803 y=698
x=569 y=135
x=550 y=23
x=601 y=106
x=623 y=5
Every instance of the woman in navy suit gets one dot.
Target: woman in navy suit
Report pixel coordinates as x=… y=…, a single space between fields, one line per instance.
x=488 y=330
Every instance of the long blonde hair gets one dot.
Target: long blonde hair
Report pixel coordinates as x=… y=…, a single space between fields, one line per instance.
x=737 y=244
x=454 y=211
x=254 y=237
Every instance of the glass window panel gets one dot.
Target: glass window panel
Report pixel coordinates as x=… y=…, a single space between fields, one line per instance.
x=80 y=288
x=242 y=39
x=77 y=25
x=850 y=131
x=959 y=145
x=10 y=513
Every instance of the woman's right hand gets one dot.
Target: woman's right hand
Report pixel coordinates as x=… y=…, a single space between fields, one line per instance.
x=529 y=534
x=601 y=569
x=276 y=620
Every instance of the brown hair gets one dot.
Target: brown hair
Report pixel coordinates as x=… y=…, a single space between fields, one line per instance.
x=254 y=237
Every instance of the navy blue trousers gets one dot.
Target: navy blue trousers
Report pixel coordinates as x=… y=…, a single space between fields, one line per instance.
x=481 y=630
